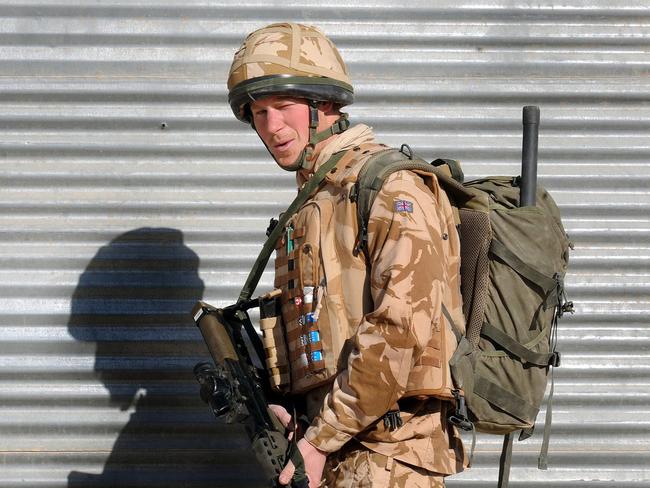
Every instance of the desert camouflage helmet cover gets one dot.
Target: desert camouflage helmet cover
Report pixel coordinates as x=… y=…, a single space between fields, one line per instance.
x=288 y=59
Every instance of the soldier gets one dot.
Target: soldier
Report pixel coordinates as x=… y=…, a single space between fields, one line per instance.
x=366 y=346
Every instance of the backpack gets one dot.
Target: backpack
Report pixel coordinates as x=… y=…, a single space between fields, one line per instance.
x=513 y=263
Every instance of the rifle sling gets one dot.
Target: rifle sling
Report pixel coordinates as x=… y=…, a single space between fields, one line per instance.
x=295 y=456
x=305 y=193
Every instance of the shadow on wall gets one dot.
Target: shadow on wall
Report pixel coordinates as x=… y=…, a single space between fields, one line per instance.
x=133 y=301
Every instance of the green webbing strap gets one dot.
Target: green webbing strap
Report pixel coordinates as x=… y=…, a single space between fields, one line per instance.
x=454 y=168
x=544 y=282
x=505 y=400
x=375 y=171
x=470 y=460
x=383 y=163
x=542 y=461
x=505 y=461
x=459 y=336
x=299 y=475
x=516 y=348
x=341 y=125
x=304 y=194
x=454 y=327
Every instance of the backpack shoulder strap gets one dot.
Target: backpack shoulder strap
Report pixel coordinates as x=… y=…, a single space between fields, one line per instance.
x=453 y=166
x=370 y=180
x=384 y=163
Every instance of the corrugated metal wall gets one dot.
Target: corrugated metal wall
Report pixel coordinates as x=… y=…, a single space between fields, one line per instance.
x=128 y=191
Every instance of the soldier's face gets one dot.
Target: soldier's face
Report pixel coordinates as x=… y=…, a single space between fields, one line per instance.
x=283 y=125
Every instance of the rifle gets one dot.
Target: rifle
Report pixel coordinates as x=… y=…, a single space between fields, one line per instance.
x=237 y=391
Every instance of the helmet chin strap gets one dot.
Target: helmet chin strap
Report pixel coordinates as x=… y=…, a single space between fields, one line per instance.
x=305 y=158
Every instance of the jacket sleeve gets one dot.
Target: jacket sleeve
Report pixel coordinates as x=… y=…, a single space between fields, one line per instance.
x=407 y=272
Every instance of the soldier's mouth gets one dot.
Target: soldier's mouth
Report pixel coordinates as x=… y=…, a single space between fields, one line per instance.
x=283 y=146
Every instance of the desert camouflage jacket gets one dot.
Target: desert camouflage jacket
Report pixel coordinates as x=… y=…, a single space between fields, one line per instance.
x=383 y=313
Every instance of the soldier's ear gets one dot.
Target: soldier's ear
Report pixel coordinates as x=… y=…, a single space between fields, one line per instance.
x=328 y=108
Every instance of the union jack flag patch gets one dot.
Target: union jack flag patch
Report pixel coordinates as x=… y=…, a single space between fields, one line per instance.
x=403 y=206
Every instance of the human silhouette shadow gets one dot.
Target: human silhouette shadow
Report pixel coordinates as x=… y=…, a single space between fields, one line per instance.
x=133 y=302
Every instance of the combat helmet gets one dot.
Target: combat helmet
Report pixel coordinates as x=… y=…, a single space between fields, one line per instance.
x=293 y=60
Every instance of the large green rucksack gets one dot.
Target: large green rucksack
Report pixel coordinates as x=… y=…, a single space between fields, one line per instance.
x=513 y=263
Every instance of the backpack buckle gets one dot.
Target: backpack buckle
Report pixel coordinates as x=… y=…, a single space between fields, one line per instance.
x=362 y=240
x=567 y=307
x=393 y=420
x=459 y=417
x=354 y=192
x=555 y=360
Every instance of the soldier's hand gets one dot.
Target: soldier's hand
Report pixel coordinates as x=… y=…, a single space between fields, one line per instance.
x=281 y=413
x=284 y=417
x=314 y=464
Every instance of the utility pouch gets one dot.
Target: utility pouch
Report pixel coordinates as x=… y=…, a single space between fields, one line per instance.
x=275 y=346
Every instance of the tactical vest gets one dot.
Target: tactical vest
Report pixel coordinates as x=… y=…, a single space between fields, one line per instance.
x=324 y=283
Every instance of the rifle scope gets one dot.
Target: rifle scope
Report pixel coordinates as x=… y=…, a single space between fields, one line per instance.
x=215 y=389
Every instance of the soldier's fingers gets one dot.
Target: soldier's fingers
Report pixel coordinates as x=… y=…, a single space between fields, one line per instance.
x=281 y=413
x=287 y=474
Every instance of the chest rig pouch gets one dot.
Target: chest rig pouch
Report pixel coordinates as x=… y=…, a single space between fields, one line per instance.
x=307 y=316
x=298 y=344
